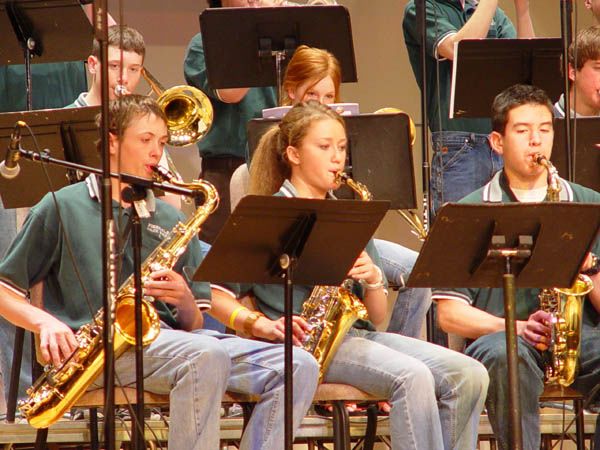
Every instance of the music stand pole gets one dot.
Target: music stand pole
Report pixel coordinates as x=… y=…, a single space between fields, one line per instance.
x=28 y=44
x=515 y=431
x=285 y=263
x=566 y=31
x=421 y=16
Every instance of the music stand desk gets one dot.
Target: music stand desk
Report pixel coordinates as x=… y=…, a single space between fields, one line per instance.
x=379 y=155
x=238 y=42
x=279 y=240
x=586 y=150
x=69 y=134
x=538 y=245
x=505 y=62
x=60 y=28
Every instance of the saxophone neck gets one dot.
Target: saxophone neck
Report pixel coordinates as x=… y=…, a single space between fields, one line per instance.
x=554 y=184
x=362 y=191
x=211 y=196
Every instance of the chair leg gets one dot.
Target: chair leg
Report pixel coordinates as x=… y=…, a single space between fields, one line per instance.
x=341 y=426
x=40 y=439
x=247 y=409
x=579 y=423
x=371 y=430
x=15 y=373
x=94 y=437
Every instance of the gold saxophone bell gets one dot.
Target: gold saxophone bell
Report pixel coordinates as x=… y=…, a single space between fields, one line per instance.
x=57 y=390
x=566 y=307
x=189 y=111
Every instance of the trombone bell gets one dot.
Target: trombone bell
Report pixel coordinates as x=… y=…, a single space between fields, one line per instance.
x=189 y=111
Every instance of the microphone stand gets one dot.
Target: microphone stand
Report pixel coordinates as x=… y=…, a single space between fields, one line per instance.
x=109 y=275
x=45 y=158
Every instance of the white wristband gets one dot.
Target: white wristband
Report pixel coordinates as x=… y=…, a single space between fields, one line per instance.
x=378 y=285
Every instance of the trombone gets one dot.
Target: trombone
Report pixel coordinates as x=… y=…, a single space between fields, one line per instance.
x=189 y=111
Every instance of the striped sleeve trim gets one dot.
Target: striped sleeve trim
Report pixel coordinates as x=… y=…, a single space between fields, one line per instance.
x=441 y=39
x=203 y=304
x=450 y=295
x=14 y=289
x=223 y=289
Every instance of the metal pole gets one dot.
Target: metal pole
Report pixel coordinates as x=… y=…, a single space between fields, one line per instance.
x=108 y=231
x=514 y=430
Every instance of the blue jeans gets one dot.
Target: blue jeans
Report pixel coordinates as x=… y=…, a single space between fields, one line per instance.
x=8 y=227
x=436 y=394
x=462 y=163
x=195 y=369
x=411 y=304
x=588 y=376
x=491 y=351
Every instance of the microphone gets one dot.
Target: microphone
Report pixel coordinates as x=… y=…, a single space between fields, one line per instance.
x=9 y=168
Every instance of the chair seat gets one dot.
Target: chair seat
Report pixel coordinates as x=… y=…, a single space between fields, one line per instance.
x=126 y=395
x=325 y=392
x=336 y=391
x=558 y=392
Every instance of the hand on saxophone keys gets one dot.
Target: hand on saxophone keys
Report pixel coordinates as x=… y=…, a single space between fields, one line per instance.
x=299 y=327
x=57 y=341
x=536 y=329
x=169 y=287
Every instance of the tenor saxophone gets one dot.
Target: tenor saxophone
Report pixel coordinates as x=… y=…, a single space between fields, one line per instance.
x=332 y=310
x=564 y=304
x=56 y=391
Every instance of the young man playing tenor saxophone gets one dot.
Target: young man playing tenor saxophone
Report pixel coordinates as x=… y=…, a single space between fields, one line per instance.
x=192 y=365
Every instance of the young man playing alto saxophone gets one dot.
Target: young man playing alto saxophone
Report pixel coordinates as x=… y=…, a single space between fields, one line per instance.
x=522 y=124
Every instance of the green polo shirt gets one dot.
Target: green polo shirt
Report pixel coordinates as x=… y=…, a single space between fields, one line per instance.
x=41 y=252
x=227 y=136
x=446 y=17
x=270 y=297
x=492 y=300
x=54 y=85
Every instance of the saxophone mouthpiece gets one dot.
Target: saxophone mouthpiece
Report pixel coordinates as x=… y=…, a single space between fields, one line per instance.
x=162 y=173
x=121 y=90
x=341 y=177
x=539 y=159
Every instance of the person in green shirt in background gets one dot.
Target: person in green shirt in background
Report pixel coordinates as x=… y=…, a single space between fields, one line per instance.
x=224 y=148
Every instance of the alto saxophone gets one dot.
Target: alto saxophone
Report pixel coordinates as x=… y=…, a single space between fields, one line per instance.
x=564 y=304
x=55 y=392
x=332 y=310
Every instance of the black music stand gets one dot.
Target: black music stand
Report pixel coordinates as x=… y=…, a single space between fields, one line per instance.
x=249 y=47
x=379 y=155
x=515 y=61
x=539 y=245
x=42 y=31
x=280 y=241
x=70 y=133
x=586 y=161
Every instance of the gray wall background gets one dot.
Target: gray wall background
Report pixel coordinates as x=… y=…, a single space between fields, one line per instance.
x=384 y=74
